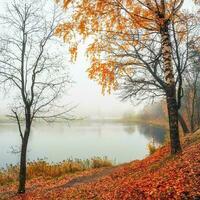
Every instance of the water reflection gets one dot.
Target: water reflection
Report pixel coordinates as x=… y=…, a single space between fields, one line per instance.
x=119 y=141
x=149 y=131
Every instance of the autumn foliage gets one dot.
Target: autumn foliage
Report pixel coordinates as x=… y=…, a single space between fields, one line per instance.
x=113 y=26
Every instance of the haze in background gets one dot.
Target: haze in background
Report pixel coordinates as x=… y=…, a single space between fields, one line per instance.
x=85 y=93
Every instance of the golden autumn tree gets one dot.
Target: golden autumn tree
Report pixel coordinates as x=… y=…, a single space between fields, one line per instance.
x=129 y=36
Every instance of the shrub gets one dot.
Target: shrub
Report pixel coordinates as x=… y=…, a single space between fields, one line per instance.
x=151 y=148
x=167 y=139
x=98 y=162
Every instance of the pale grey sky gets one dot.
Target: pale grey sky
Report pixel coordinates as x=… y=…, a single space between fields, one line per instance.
x=86 y=93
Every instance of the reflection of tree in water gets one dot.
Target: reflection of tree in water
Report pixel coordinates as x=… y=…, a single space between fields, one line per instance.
x=157 y=133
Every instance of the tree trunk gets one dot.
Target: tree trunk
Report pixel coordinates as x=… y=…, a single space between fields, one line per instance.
x=170 y=87
x=183 y=124
x=192 y=124
x=198 y=112
x=22 y=172
x=173 y=122
x=192 y=121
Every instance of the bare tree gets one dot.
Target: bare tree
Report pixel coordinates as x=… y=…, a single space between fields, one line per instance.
x=32 y=68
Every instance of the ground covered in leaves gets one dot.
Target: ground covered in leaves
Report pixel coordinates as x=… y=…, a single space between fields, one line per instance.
x=159 y=176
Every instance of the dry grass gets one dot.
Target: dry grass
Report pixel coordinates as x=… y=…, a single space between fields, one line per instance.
x=98 y=162
x=42 y=168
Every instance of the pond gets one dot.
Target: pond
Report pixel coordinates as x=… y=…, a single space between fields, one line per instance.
x=120 y=142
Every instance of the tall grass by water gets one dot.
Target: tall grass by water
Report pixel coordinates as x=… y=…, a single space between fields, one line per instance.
x=42 y=168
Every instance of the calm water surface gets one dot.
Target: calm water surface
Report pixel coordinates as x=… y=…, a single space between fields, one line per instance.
x=55 y=142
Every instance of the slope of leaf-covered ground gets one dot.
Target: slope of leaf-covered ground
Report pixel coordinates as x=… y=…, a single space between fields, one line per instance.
x=159 y=176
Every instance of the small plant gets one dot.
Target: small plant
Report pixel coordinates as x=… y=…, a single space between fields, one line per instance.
x=167 y=139
x=152 y=147
x=98 y=162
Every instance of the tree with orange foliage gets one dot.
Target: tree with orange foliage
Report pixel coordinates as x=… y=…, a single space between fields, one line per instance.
x=125 y=34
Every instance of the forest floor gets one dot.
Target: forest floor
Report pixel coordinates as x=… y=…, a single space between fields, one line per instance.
x=159 y=176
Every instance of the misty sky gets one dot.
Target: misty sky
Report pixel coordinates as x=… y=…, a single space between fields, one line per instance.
x=86 y=93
